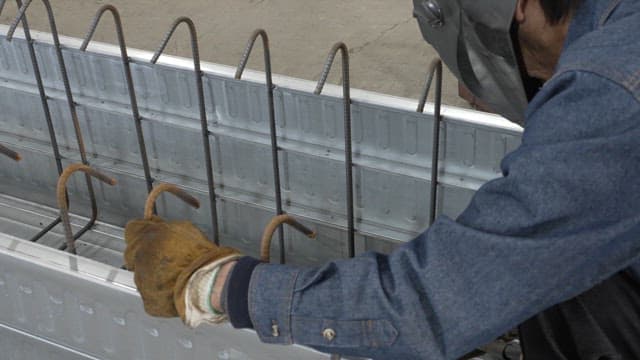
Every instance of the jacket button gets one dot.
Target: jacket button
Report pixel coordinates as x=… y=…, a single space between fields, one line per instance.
x=329 y=334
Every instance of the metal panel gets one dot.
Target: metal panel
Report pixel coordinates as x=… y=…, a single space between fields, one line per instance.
x=53 y=301
x=391 y=146
x=64 y=306
x=18 y=345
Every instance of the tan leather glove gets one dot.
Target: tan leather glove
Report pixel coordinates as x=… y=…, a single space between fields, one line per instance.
x=164 y=256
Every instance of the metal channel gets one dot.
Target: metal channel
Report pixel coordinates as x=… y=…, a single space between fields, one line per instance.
x=272 y=122
x=348 y=150
x=313 y=167
x=24 y=345
x=95 y=309
x=195 y=53
x=70 y=102
x=99 y=311
x=435 y=69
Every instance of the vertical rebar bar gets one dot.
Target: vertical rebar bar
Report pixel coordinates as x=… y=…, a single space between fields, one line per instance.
x=195 y=53
x=348 y=151
x=10 y=153
x=45 y=107
x=41 y=91
x=272 y=122
x=70 y=102
x=126 y=64
x=435 y=69
x=63 y=201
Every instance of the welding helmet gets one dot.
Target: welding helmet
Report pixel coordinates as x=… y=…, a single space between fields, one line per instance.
x=475 y=39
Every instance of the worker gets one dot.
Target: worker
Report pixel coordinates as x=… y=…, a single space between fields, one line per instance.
x=552 y=246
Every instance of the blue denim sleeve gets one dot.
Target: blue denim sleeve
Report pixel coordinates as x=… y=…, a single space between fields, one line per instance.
x=565 y=216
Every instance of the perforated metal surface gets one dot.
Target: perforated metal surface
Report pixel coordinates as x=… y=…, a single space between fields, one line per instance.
x=81 y=308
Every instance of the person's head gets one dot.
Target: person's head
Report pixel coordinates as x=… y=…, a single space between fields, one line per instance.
x=558 y=10
x=492 y=45
x=542 y=29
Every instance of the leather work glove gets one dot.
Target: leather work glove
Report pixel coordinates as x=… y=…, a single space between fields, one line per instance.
x=175 y=267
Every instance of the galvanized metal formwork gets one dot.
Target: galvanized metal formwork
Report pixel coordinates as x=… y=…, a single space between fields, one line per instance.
x=274 y=149
x=392 y=146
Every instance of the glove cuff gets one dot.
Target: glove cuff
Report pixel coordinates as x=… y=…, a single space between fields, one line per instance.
x=197 y=295
x=218 y=256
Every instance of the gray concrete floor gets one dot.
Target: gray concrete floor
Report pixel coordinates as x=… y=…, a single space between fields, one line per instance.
x=387 y=52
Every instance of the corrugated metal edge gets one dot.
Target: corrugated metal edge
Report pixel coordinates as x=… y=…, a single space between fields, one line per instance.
x=448 y=112
x=44 y=346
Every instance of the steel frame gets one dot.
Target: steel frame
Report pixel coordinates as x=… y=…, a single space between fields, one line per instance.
x=435 y=71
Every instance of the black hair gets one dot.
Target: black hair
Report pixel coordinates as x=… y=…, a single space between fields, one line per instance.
x=558 y=10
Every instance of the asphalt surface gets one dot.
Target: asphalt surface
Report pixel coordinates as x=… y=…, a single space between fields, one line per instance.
x=387 y=52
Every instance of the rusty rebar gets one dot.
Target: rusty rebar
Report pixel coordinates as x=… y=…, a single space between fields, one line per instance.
x=272 y=121
x=435 y=69
x=164 y=187
x=41 y=90
x=10 y=153
x=275 y=223
x=348 y=150
x=63 y=204
x=70 y=102
x=126 y=64
x=195 y=53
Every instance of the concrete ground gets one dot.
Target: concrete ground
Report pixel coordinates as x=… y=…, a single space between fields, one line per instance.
x=387 y=52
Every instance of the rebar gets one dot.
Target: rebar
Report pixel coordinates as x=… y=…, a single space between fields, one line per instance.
x=45 y=107
x=164 y=187
x=272 y=122
x=126 y=64
x=63 y=204
x=435 y=69
x=10 y=153
x=195 y=53
x=348 y=151
x=70 y=102
x=275 y=223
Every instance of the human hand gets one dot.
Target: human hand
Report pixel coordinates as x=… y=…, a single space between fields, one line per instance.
x=175 y=267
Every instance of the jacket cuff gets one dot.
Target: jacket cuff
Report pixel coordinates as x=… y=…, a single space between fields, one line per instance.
x=271 y=292
x=235 y=293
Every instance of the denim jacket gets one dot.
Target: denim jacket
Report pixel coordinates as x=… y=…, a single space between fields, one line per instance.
x=564 y=216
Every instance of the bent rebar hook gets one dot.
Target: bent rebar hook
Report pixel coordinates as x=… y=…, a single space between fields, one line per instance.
x=435 y=69
x=10 y=153
x=275 y=223
x=63 y=204
x=137 y=119
x=272 y=121
x=70 y=103
x=348 y=151
x=195 y=53
x=164 y=187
